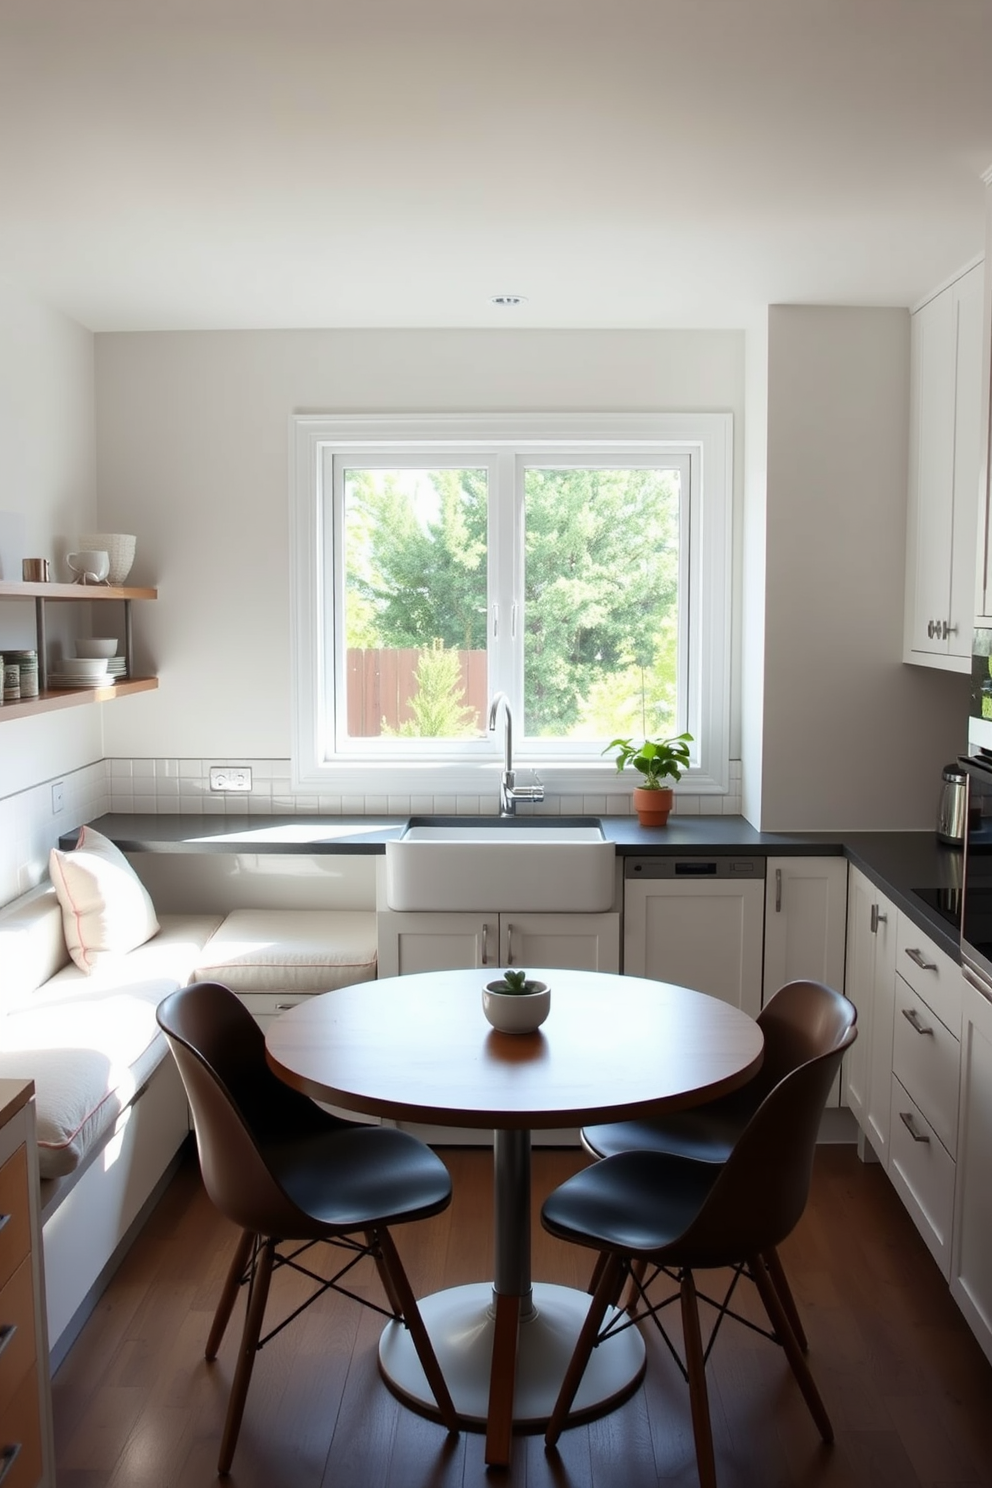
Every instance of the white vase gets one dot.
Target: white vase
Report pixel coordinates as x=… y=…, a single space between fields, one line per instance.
x=516 y=1012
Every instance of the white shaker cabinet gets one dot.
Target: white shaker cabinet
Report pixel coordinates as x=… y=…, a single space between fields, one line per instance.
x=414 y=940
x=971 y=1259
x=944 y=463
x=699 y=931
x=805 y=914
x=872 y=922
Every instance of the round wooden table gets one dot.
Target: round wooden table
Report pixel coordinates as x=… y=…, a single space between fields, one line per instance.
x=418 y=1048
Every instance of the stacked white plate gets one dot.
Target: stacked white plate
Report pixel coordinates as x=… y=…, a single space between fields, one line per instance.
x=81 y=672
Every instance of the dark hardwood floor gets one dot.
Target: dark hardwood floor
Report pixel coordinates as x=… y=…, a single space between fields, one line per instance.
x=909 y=1390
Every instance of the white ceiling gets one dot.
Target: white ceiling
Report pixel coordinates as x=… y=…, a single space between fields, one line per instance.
x=304 y=163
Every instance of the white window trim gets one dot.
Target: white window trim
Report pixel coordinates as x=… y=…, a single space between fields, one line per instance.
x=708 y=436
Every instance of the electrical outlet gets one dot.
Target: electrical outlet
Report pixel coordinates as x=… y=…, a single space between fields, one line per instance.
x=58 y=799
x=230 y=777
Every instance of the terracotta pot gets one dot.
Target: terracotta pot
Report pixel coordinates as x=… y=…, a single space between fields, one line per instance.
x=653 y=806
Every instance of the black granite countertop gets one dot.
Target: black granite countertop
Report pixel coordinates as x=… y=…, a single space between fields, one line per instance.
x=918 y=873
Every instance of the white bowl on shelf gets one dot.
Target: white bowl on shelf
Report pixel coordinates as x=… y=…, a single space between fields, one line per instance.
x=119 y=547
x=94 y=647
x=92 y=668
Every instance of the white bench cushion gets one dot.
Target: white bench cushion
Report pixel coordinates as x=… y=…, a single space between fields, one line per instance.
x=291 y=950
x=90 y=1042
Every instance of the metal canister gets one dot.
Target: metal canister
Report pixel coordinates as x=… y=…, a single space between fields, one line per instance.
x=11 y=680
x=27 y=662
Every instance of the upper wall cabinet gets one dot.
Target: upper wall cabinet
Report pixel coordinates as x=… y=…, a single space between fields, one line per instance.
x=944 y=460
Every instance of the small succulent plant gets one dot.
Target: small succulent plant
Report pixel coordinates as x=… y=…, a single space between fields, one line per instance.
x=516 y=981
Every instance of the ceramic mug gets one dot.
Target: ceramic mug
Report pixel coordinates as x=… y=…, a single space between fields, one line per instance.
x=91 y=566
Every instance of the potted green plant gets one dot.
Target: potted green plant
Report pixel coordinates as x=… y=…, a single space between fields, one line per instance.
x=515 y=1003
x=657 y=760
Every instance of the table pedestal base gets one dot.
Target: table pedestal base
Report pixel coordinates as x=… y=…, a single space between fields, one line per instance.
x=460 y=1323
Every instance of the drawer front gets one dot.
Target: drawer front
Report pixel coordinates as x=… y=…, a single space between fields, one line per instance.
x=15 y=1219
x=931 y=973
x=922 y=1172
x=927 y=1059
x=20 y=1437
x=17 y=1339
x=266 y=1006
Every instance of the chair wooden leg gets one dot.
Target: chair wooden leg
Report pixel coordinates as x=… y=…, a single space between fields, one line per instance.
x=638 y=1271
x=780 y=1282
x=400 y=1292
x=371 y=1240
x=780 y=1323
x=502 y=1378
x=246 y=1355
x=609 y=1286
x=699 y=1403
x=228 y=1296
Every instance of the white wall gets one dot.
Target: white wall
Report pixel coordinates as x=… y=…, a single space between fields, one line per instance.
x=193 y=456
x=852 y=738
x=48 y=488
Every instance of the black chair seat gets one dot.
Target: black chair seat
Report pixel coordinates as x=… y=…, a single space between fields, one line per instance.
x=636 y=1202
x=379 y=1176
x=707 y=1133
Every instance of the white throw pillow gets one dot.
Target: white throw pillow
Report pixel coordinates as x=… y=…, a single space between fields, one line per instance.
x=106 y=909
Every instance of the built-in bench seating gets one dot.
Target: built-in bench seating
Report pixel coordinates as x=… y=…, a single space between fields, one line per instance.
x=110 y=1107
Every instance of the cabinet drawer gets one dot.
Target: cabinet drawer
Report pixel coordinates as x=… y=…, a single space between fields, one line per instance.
x=931 y=973
x=264 y=1006
x=922 y=1173
x=20 y=1437
x=927 y=1060
x=15 y=1222
x=17 y=1339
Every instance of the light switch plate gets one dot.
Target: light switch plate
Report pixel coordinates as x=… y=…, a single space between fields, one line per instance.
x=230 y=777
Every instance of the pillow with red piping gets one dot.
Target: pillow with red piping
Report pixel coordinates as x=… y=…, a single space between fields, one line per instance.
x=106 y=909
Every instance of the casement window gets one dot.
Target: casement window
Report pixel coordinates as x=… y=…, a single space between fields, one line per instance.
x=579 y=564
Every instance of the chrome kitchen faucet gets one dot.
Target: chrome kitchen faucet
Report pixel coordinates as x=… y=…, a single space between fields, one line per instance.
x=509 y=793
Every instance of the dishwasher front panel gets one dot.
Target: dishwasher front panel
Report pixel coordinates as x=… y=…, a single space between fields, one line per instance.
x=703 y=930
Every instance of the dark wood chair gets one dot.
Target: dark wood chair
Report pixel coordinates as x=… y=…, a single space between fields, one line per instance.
x=290 y=1174
x=663 y=1213
x=791 y=1024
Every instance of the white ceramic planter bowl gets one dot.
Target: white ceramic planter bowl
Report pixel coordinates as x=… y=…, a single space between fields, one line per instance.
x=516 y=1012
x=94 y=647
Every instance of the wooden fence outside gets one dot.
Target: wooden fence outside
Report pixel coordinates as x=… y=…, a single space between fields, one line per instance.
x=381 y=686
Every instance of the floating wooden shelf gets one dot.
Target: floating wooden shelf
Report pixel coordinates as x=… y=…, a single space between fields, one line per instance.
x=50 y=698
x=71 y=697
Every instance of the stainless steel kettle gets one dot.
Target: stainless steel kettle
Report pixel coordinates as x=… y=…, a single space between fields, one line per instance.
x=950 y=807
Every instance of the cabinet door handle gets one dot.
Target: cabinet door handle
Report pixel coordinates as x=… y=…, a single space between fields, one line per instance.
x=930 y=630
x=913 y=1018
x=877 y=918
x=8 y=1456
x=284 y=1007
x=485 y=944
x=947 y=629
x=920 y=960
x=509 y=945
x=778 y=891
x=906 y=1117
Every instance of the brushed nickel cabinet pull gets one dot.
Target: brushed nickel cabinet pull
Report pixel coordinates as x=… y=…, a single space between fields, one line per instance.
x=778 y=891
x=920 y=960
x=906 y=1117
x=877 y=918
x=509 y=946
x=913 y=1018
x=485 y=944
